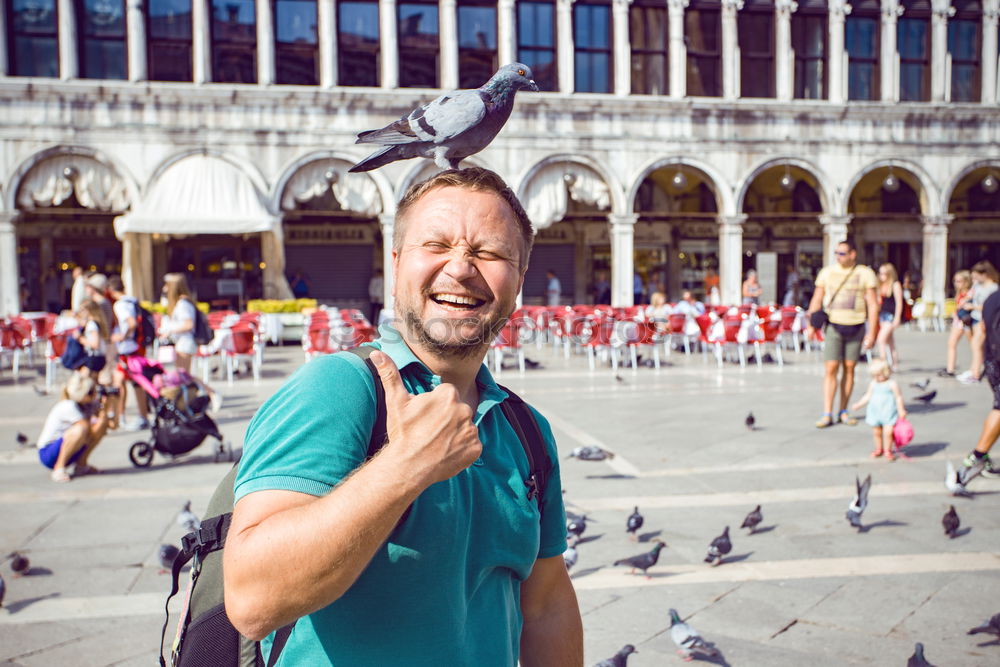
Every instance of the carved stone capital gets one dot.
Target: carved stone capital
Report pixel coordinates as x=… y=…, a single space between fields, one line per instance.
x=991 y=10
x=785 y=8
x=731 y=6
x=838 y=9
x=677 y=5
x=942 y=9
x=623 y=220
x=891 y=11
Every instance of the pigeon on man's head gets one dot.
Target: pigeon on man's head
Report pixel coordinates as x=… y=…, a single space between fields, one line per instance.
x=955 y=482
x=950 y=521
x=188 y=519
x=19 y=563
x=452 y=127
x=750 y=421
x=689 y=642
x=570 y=557
x=927 y=398
x=619 y=659
x=168 y=554
x=860 y=501
x=634 y=522
x=989 y=627
x=719 y=547
x=918 y=659
x=590 y=453
x=643 y=561
x=921 y=385
x=753 y=519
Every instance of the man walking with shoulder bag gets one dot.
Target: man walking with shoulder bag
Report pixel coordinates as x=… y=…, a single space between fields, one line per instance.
x=845 y=292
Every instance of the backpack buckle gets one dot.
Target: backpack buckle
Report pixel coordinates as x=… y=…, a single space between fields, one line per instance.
x=532 y=485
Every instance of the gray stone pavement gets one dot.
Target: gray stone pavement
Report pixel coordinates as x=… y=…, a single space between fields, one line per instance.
x=807 y=590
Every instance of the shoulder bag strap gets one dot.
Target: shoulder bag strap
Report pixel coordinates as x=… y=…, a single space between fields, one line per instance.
x=843 y=282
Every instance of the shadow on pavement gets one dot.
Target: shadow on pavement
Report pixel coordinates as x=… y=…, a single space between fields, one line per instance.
x=920 y=408
x=923 y=449
x=645 y=537
x=15 y=607
x=885 y=523
x=735 y=559
x=764 y=529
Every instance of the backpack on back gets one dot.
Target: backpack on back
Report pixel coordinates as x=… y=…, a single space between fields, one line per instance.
x=145 y=327
x=205 y=636
x=202 y=332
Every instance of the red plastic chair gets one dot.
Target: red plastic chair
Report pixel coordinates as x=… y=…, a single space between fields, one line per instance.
x=598 y=336
x=788 y=316
x=508 y=340
x=55 y=346
x=317 y=341
x=772 y=336
x=642 y=334
x=677 y=326
x=243 y=345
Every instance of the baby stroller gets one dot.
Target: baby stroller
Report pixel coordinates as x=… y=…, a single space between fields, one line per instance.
x=179 y=420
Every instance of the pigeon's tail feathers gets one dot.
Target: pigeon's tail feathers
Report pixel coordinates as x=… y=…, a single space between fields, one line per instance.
x=398 y=132
x=985 y=628
x=709 y=558
x=380 y=158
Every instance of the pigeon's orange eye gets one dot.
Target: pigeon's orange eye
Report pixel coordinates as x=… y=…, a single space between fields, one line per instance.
x=520 y=72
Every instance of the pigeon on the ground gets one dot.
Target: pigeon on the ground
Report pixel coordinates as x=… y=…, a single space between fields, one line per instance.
x=3 y=589
x=22 y=439
x=989 y=627
x=39 y=391
x=19 y=563
x=620 y=379
x=619 y=659
x=750 y=421
x=452 y=127
x=719 y=547
x=575 y=527
x=530 y=363
x=927 y=398
x=918 y=659
x=860 y=502
x=570 y=557
x=634 y=522
x=922 y=386
x=689 y=642
x=590 y=453
x=753 y=520
x=643 y=561
x=954 y=482
x=188 y=519
x=168 y=554
x=950 y=521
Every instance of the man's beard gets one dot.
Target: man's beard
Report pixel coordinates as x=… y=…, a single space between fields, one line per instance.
x=452 y=345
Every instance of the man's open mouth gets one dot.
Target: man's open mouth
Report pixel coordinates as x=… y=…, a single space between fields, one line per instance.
x=457 y=301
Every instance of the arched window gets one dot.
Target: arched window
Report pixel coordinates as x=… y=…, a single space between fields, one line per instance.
x=102 y=39
x=296 y=42
x=477 y=42
x=592 y=40
x=809 y=42
x=913 y=34
x=358 y=43
x=536 y=41
x=755 y=26
x=964 y=46
x=649 y=37
x=33 y=43
x=703 y=36
x=234 y=41
x=861 y=36
x=419 y=44
x=168 y=26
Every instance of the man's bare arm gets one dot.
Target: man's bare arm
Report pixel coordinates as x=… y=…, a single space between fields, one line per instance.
x=552 y=635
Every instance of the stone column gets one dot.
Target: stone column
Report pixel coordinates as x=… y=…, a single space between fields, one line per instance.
x=388 y=36
x=565 y=55
x=272 y=251
x=837 y=57
x=622 y=258
x=935 y=258
x=991 y=10
x=69 y=64
x=678 y=48
x=506 y=32
x=731 y=258
x=449 y=44
x=834 y=231
x=265 y=43
x=889 y=61
x=201 y=49
x=10 y=297
x=622 y=51
x=136 y=32
x=784 y=59
x=137 y=265
x=387 y=221
x=730 y=50
x=326 y=18
x=942 y=10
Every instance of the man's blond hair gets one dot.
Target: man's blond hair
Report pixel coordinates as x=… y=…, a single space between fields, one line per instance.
x=475 y=179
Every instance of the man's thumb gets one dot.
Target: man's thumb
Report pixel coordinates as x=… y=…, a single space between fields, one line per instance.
x=395 y=391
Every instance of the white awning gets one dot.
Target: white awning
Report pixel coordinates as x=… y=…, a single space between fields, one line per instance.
x=200 y=194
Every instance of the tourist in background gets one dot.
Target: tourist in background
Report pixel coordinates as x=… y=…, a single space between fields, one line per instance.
x=984 y=283
x=961 y=321
x=890 y=314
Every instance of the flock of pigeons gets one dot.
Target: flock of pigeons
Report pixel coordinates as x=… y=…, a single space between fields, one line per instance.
x=690 y=643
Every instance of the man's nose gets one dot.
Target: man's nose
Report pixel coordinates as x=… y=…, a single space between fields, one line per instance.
x=461 y=264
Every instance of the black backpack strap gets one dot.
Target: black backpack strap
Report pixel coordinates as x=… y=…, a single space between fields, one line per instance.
x=522 y=420
x=380 y=433
x=180 y=561
x=281 y=636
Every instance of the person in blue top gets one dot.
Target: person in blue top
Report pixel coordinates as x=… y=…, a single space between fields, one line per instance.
x=473 y=573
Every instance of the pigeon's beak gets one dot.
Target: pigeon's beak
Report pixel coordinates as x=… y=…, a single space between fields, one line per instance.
x=532 y=85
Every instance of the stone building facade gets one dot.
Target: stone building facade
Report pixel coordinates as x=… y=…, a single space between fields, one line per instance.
x=673 y=139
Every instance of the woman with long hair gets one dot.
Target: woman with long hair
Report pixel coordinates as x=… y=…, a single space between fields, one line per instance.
x=890 y=314
x=962 y=282
x=179 y=323
x=94 y=337
x=984 y=282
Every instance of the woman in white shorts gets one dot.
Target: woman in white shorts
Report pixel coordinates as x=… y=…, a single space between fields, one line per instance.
x=180 y=320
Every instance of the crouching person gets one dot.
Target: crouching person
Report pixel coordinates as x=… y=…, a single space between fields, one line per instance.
x=73 y=428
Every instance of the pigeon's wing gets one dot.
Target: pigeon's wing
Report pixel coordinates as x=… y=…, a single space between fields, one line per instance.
x=398 y=132
x=449 y=115
x=863 y=490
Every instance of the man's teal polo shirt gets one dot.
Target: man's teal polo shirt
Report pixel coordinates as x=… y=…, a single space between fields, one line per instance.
x=445 y=588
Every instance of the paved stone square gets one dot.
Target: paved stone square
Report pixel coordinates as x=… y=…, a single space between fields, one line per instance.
x=807 y=589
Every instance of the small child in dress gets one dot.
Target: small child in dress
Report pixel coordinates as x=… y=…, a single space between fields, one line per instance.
x=885 y=406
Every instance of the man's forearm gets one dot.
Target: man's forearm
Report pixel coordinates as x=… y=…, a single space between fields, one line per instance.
x=555 y=638
x=302 y=559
